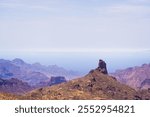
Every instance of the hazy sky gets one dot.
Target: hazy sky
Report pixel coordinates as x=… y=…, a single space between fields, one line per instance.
x=60 y=25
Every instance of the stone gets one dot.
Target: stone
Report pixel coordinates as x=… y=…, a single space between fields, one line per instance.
x=57 y=80
x=102 y=67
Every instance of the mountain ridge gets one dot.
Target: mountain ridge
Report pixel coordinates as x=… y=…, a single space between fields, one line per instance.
x=34 y=74
x=94 y=85
x=135 y=77
x=14 y=86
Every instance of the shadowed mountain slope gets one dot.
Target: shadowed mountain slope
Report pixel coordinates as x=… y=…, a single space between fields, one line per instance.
x=135 y=77
x=36 y=75
x=14 y=86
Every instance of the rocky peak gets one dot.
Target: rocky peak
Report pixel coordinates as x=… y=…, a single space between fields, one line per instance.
x=102 y=67
x=18 y=61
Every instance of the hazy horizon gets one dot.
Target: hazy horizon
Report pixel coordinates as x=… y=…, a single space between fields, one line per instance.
x=83 y=62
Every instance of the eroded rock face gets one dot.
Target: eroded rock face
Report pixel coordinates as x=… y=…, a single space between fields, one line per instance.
x=102 y=67
x=57 y=80
x=137 y=77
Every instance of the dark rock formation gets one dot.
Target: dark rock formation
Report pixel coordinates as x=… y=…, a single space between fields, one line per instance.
x=76 y=86
x=57 y=80
x=136 y=97
x=102 y=67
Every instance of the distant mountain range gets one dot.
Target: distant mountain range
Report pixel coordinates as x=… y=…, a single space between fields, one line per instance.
x=18 y=77
x=34 y=74
x=136 y=77
x=14 y=86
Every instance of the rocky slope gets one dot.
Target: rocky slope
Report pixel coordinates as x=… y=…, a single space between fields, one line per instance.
x=14 y=86
x=135 y=77
x=95 y=85
x=6 y=96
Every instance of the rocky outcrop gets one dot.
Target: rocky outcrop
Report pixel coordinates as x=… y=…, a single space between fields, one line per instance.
x=57 y=80
x=102 y=67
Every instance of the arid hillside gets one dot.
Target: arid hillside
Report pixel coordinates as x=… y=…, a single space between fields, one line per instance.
x=95 y=85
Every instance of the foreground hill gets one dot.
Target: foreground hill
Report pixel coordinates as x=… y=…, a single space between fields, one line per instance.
x=135 y=77
x=6 y=96
x=95 y=85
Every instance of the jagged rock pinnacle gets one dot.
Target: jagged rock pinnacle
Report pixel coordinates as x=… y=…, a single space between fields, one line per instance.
x=102 y=67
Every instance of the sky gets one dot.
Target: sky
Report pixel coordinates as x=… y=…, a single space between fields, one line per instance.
x=74 y=26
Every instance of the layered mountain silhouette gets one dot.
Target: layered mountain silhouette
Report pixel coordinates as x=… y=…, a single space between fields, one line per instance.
x=51 y=70
x=136 y=77
x=36 y=75
x=94 y=85
x=97 y=85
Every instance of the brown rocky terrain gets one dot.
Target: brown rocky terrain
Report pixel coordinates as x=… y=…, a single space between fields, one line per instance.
x=95 y=85
x=7 y=96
